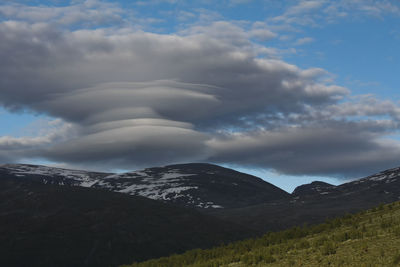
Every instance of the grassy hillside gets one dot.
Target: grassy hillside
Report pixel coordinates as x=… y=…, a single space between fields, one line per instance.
x=370 y=238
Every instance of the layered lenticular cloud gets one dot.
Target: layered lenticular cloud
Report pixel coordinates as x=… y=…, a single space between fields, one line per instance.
x=130 y=98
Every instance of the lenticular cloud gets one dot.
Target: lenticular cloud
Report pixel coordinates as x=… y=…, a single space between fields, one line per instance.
x=134 y=98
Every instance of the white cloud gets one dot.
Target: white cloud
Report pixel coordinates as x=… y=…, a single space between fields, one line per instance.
x=305 y=40
x=85 y=13
x=262 y=34
x=315 y=13
x=239 y=2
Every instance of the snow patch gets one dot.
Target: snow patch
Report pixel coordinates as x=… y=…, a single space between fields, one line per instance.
x=378 y=178
x=88 y=183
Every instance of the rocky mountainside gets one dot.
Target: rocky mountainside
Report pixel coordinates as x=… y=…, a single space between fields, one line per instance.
x=195 y=185
x=43 y=225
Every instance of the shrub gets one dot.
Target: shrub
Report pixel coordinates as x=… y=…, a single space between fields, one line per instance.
x=396 y=259
x=303 y=244
x=329 y=248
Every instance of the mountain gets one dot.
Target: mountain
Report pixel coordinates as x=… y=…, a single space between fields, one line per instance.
x=383 y=186
x=316 y=187
x=194 y=185
x=44 y=225
x=315 y=202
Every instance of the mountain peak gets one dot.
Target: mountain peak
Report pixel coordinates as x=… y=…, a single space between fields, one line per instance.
x=311 y=188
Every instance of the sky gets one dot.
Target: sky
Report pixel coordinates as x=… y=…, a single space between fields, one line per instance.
x=291 y=91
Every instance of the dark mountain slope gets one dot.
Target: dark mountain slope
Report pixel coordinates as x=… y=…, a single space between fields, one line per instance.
x=370 y=238
x=315 y=202
x=195 y=185
x=46 y=225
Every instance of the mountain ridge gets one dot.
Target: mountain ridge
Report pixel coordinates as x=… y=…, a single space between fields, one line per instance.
x=195 y=185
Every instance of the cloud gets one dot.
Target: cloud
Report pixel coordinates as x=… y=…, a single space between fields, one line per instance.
x=204 y=70
x=239 y=2
x=19 y=148
x=133 y=98
x=315 y=13
x=133 y=145
x=156 y=2
x=302 y=13
x=87 y=13
x=262 y=34
x=334 y=151
x=305 y=40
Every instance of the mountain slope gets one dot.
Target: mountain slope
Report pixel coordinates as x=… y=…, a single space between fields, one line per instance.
x=46 y=225
x=195 y=185
x=370 y=238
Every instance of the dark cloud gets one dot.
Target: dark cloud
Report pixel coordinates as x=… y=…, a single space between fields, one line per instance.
x=340 y=152
x=136 y=146
x=132 y=98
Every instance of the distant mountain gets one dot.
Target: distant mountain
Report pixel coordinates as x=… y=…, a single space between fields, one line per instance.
x=315 y=202
x=44 y=225
x=195 y=185
x=316 y=187
x=383 y=186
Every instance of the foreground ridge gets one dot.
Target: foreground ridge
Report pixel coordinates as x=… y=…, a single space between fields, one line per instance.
x=368 y=237
x=48 y=225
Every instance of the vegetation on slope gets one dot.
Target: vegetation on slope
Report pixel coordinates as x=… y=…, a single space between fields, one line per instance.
x=369 y=238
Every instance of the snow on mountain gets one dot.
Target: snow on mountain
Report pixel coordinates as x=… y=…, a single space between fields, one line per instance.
x=159 y=186
x=54 y=175
x=203 y=186
x=388 y=176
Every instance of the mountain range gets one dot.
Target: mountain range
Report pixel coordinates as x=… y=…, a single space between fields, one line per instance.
x=60 y=217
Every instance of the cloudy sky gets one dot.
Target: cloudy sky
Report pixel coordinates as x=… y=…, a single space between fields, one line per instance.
x=291 y=90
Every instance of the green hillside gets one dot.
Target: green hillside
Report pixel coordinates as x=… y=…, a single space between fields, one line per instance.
x=370 y=238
